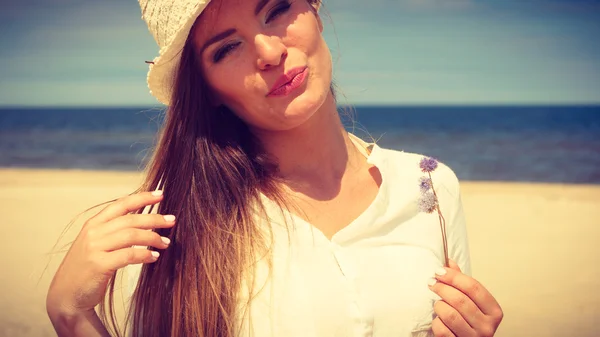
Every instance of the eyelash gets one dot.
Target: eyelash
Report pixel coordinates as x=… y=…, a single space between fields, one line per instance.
x=282 y=7
x=222 y=52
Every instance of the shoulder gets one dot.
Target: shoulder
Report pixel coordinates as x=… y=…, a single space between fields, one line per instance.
x=408 y=164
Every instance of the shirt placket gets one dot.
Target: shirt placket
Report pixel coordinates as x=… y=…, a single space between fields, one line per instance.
x=362 y=319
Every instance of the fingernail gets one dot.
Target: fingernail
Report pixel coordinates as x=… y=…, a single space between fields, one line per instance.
x=157 y=193
x=169 y=218
x=431 y=282
x=440 y=271
x=155 y=254
x=165 y=240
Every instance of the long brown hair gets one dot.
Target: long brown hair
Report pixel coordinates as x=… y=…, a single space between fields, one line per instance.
x=212 y=171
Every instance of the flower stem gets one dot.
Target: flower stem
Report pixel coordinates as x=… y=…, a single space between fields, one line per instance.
x=444 y=236
x=442 y=224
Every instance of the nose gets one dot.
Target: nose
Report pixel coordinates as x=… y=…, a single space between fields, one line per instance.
x=271 y=51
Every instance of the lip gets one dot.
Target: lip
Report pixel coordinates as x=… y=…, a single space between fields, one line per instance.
x=286 y=78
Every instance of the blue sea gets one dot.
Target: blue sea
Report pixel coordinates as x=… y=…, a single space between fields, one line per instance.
x=558 y=144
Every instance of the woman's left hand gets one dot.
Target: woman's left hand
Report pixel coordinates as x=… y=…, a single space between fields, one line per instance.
x=467 y=309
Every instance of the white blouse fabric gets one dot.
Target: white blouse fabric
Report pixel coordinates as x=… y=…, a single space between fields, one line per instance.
x=371 y=278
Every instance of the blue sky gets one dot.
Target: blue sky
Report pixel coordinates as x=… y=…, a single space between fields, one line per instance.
x=412 y=52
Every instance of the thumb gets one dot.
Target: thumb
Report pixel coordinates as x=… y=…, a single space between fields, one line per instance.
x=454 y=265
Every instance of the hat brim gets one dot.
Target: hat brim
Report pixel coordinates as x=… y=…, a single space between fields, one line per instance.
x=162 y=72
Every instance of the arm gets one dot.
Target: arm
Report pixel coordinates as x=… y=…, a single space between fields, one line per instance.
x=108 y=242
x=86 y=324
x=466 y=307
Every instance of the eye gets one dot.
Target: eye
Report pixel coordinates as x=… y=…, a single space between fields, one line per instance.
x=223 y=51
x=279 y=9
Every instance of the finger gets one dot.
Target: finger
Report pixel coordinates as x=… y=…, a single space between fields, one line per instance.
x=452 y=322
x=470 y=287
x=454 y=265
x=440 y=329
x=133 y=255
x=125 y=205
x=132 y=237
x=141 y=221
x=461 y=303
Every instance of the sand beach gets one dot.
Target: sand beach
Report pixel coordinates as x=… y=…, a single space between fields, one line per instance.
x=532 y=245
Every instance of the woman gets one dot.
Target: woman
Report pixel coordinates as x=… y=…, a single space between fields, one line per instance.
x=277 y=222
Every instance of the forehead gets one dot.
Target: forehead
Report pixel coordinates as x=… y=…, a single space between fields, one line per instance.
x=222 y=13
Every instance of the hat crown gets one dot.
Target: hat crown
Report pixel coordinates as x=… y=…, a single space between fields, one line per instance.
x=166 y=17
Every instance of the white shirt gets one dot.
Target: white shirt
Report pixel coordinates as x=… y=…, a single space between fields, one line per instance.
x=371 y=278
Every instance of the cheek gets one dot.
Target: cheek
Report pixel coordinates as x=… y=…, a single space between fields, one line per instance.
x=238 y=91
x=304 y=33
x=230 y=82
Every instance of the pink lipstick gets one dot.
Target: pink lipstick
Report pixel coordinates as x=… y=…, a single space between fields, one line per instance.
x=286 y=83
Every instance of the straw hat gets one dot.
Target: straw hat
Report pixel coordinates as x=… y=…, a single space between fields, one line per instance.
x=170 y=22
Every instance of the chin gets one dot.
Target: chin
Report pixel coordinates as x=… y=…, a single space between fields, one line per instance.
x=304 y=106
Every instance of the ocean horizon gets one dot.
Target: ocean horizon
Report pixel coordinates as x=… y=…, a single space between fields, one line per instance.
x=521 y=143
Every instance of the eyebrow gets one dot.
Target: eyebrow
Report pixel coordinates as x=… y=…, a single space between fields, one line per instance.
x=216 y=38
x=261 y=4
x=259 y=7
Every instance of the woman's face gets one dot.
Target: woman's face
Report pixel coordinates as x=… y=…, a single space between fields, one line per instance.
x=244 y=52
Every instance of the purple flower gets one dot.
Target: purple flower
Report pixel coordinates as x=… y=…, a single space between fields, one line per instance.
x=425 y=184
x=428 y=164
x=428 y=202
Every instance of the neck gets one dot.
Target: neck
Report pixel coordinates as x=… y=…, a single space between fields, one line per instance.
x=314 y=157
